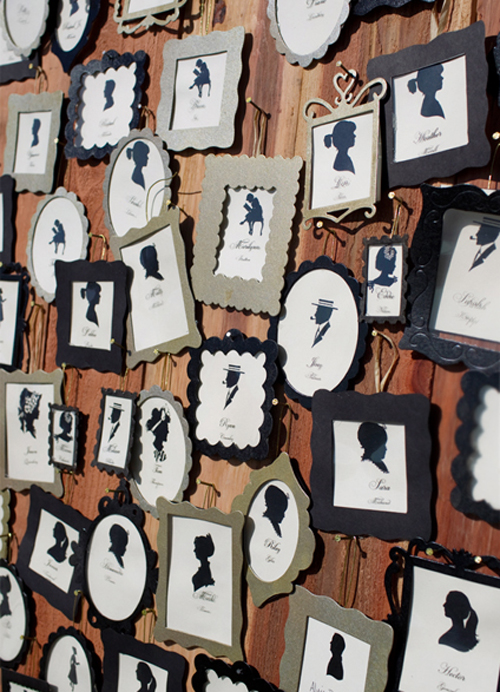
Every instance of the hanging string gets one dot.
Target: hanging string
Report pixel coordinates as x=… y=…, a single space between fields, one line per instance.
x=123 y=379
x=7 y=538
x=166 y=371
x=146 y=113
x=441 y=18
x=31 y=653
x=349 y=579
x=211 y=494
x=152 y=623
x=77 y=601
x=206 y=12
x=41 y=79
x=104 y=246
x=70 y=485
x=381 y=383
x=260 y=119
x=37 y=328
x=397 y=214
x=496 y=137
x=164 y=187
x=69 y=375
x=284 y=408
x=329 y=233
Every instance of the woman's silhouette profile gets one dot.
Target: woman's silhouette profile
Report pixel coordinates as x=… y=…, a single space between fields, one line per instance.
x=385 y=263
x=203 y=549
x=29 y=410
x=373 y=438
x=149 y=260
x=145 y=677
x=462 y=634
x=343 y=139
x=66 y=425
x=119 y=539
x=35 y=129
x=254 y=213
x=276 y=505
x=202 y=77
x=5 y=587
x=72 y=675
x=140 y=153
x=335 y=666
x=109 y=88
x=429 y=80
x=92 y=292
x=58 y=550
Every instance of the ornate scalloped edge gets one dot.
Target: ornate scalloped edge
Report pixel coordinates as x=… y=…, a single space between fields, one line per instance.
x=25 y=51
x=233 y=341
x=239 y=673
x=93 y=662
x=71 y=409
x=362 y=7
x=374 y=242
x=125 y=471
x=145 y=18
x=29 y=610
x=68 y=57
x=20 y=274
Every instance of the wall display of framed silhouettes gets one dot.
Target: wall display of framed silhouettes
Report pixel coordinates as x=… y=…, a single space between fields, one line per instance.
x=74 y=24
x=371 y=470
x=246 y=214
x=278 y=542
x=446 y=630
x=384 y=272
x=23 y=25
x=7 y=216
x=44 y=559
x=161 y=316
x=69 y=661
x=454 y=313
x=92 y=303
x=435 y=115
x=230 y=395
x=326 y=645
x=213 y=674
x=199 y=586
x=63 y=436
x=14 y=67
x=137 y=180
x=199 y=90
x=14 y=617
x=476 y=469
x=128 y=663
x=32 y=137
x=24 y=429
x=14 y=293
x=104 y=104
x=4 y=522
x=161 y=458
x=115 y=436
x=133 y=15
x=319 y=334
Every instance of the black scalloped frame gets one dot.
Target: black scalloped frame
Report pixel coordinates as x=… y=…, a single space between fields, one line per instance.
x=239 y=673
x=110 y=59
x=424 y=256
x=468 y=42
x=92 y=660
x=456 y=563
x=233 y=341
x=70 y=409
x=15 y=272
x=362 y=7
x=67 y=58
x=115 y=644
x=107 y=506
x=29 y=610
x=462 y=472
x=39 y=500
x=29 y=684
x=410 y=410
x=8 y=226
x=99 y=359
x=25 y=68
x=323 y=262
x=121 y=471
x=385 y=241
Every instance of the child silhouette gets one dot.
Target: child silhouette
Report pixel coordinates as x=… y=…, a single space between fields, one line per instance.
x=373 y=438
x=343 y=139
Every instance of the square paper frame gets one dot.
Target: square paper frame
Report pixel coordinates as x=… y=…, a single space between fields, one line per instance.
x=15 y=274
x=130 y=423
x=7 y=220
x=385 y=242
x=56 y=409
x=129 y=22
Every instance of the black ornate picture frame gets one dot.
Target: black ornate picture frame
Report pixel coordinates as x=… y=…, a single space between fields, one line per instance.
x=386 y=439
x=362 y=7
x=16 y=68
x=384 y=273
x=14 y=295
x=73 y=18
x=222 y=373
x=64 y=424
x=115 y=435
x=12 y=682
x=7 y=226
x=242 y=675
x=69 y=661
x=455 y=290
x=16 y=620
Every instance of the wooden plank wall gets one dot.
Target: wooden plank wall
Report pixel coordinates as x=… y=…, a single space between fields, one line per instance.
x=281 y=90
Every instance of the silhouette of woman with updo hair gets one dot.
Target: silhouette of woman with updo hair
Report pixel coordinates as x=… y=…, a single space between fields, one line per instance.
x=462 y=634
x=35 y=129
x=140 y=153
x=373 y=438
x=429 y=80
x=276 y=505
x=343 y=139
x=149 y=260
x=145 y=676
x=119 y=539
x=335 y=666
x=29 y=410
x=385 y=263
x=92 y=292
x=109 y=87
x=5 y=587
x=58 y=550
x=66 y=425
x=203 y=549
x=74 y=7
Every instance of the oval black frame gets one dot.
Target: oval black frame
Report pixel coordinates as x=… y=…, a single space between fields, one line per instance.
x=93 y=662
x=67 y=57
x=29 y=609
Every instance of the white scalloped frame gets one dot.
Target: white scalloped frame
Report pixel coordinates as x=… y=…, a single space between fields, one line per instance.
x=26 y=50
x=130 y=22
x=277 y=174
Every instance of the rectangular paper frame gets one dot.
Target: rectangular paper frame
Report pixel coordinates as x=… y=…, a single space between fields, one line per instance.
x=119 y=393
x=60 y=409
x=381 y=242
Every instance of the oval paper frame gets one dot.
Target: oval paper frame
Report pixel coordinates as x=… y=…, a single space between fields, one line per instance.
x=24 y=51
x=91 y=660
x=28 y=606
x=68 y=57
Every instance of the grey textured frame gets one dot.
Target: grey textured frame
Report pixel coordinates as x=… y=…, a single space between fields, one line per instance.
x=303 y=604
x=281 y=469
x=201 y=138
x=192 y=338
x=278 y=174
x=145 y=18
x=40 y=377
x=24 y=51
x=4 y=524
x=157 y=392
x=61 y=192
x=346 y=107
x=294 y=58
x=30 y=103
x=125 y=142
x=235 y=522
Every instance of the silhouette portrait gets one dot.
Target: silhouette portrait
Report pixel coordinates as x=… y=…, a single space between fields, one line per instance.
x=145 y=676
x=140 y=154
x=343 y=139
x=72 y=675
x=59 y=237
x=231 y=380
x=203 y=549
x=2 y=301
x=91 y=292
x=119 y=539
x=462 y=634
x=385 y=263
x=335 y=666
x=35 y=129
x=74 y=7
x=114 y=419
x=5 y=587
x=109 y=88
x=276 y=505
x=158 y=425
x=253 y=214
x=373 y=438
x=29 y=410
x=485 y=237
x=321 y=317
x=66 y=425
x=149 y=260
x=201 y=77
x=58 y=550
x=428 y=81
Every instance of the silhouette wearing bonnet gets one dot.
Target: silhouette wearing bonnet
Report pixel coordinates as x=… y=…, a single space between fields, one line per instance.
x=485 y=237
x=145 y=676
x=149 y=260
x=158 y=424
x=343 y=139
x=92 y=292
x=109 y=88
x=462 y=634
x=373 y=438
x=139 y=152
x=276 y=505
x=202 y=77
x=335 y=666
x=429 y=80
x=58 y=550
x=35 y=129
x=385 y=263
x=66 y=425
x=29 y=410
x=5 y=587
x=119 y=539
x=203 y=549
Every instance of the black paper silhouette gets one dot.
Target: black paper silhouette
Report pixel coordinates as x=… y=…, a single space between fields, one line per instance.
x=343 y=139
x=140 y=154
x=119 y=539
x=429 y=80
x=74 y=7
x=109 y=88
x=158 y=424
x=203 y=549
x=485 y=237
x=59 y=237
x=29 y=410
x=149 y=260
x=145 y=676
x=373 y=438
x=2 y=301
x=254 y=214
x=462 y=634
x=276 y=505
x=385 y=263
x=58 y=550
x=72 y=675
x=202 y=77
x=335 y=666
x=231 y=380
x=35 y=129
x=5 y=587
x=321 y=317
x=66 y=425
x=114 y=418
x=92 y=292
